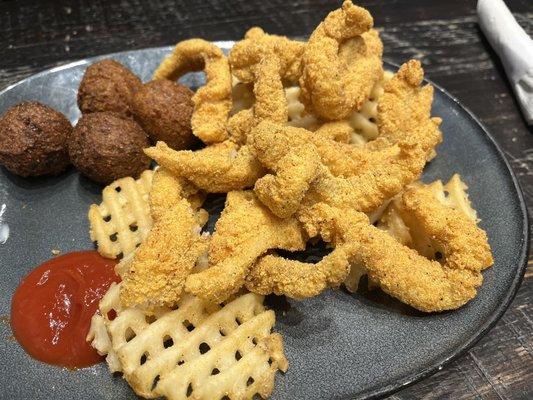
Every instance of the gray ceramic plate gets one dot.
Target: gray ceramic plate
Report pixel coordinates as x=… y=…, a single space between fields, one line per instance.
x=339 y=345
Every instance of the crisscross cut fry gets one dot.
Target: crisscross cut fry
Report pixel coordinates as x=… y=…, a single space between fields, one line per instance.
x=122 y=220
x=212 y=102
x=175 y=353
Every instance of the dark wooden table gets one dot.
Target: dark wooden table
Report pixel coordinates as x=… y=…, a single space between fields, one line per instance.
x=444 y=35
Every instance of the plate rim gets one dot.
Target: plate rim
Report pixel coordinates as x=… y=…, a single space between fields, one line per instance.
x=495 y=316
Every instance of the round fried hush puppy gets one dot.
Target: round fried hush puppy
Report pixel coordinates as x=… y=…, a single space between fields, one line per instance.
x=107 y=86
x=164 y=109
x=105 y=147
x=33 y=140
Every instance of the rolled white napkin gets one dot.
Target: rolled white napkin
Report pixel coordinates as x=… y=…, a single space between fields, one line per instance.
x=514 y=47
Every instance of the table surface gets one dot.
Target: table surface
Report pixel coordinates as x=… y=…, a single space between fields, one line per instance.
x=444 y=35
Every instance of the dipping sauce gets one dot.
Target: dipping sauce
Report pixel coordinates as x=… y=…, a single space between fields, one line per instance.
x=51 y=309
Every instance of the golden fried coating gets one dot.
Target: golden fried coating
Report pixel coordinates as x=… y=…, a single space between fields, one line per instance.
x=157 y=273
x=339 y=131
x=404 y=109
x=282 y=193
x=400 y=271
x=246 y=230
x=168 y=189
x=413 y=279
x=451 y=232
x=218 y=168
x=270 y=101
x=212 y=102
x=299 y=280
x=341 y=63
x=367 y=191
x=258 y=45
x=296 y=279
x=273 y=141
x=353 y=177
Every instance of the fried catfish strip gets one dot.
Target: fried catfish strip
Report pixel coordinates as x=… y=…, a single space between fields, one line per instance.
x=400 y=271
x=272 y=141
x=405 y=109
x=367 y=191
x=299 y=280
x=341 y=63
x=296 y=279
x=413 y=279
x=366 y=178
x=258 y=45
x=168 y=189
x=157 y=273
x=270 y=101
x=451 y=232
x=339 y=131
x=282 y=193
x=246 y=229
x=218 y=168
x=212 y=102
x=425 y=284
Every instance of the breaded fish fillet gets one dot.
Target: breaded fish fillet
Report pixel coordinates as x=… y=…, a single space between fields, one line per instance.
x=404 y=109
x=218 y=168
x=246 y=229
x=341 y=63
x=157 y=273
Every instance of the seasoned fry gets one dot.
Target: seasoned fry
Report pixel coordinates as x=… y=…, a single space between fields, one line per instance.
x=160 y=353
x=122 y=220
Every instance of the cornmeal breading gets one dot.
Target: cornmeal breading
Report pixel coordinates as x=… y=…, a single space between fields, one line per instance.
x=168 y=189
x=246 y=229
x=162 y=262
x=282 y=193
x=212 y=102
x=341 y=63
x=404 y=109
x=218 y=168
x=257 y=44
x=454 y=234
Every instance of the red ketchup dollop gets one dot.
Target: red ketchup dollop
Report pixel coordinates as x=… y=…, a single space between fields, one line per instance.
x=52 y=307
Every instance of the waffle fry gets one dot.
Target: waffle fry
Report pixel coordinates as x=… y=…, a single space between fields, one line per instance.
x=198 y=350
x=454 y=194
x=363 y=120
x=122 y=220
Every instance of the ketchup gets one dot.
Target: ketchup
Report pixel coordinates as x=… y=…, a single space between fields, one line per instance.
x=52 y=308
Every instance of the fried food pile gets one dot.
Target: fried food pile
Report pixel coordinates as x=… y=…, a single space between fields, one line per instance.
x=310 y=141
